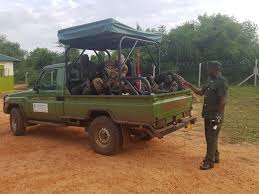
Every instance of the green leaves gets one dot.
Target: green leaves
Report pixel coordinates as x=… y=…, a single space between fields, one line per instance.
x=212 y=37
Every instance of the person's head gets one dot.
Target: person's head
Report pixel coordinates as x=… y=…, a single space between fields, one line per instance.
x=168 y=78
x=214 y=68
x=84 y=60
x=122 y=58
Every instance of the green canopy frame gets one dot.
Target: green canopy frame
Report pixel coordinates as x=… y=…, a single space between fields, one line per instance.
x=109 y=35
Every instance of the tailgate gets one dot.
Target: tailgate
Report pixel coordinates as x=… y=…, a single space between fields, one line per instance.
x=170 y=106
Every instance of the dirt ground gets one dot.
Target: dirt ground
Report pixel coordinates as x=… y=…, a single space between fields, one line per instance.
x=60 y=160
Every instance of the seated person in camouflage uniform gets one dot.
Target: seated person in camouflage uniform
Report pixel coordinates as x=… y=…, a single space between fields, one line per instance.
x=154 y=86
x=82 y=70
x=111 y=76
x=169 y=85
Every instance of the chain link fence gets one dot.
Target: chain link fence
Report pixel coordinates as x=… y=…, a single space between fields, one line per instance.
x=234 y=71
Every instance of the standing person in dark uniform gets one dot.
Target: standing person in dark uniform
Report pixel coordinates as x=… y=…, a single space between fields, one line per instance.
x=215 y=93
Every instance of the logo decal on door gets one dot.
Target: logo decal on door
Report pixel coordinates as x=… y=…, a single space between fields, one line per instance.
x=40 y=107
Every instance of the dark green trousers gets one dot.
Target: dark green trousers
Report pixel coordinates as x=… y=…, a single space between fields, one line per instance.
x=211 y=140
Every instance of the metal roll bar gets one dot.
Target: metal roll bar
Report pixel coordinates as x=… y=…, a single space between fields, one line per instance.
x=134 y=45
x=123 y=38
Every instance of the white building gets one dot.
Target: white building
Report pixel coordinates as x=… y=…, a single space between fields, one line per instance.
x=6 y=73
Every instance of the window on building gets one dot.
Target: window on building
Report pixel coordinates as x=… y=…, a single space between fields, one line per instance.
x=2 y=71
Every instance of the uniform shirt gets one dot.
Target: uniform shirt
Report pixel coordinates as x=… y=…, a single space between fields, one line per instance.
x=112 y=70
x=154 y=86
x=215 y=88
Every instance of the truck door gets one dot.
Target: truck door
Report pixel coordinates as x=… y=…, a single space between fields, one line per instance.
x=46 y=103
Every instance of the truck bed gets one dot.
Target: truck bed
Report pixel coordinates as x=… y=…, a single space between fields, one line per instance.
x=149 y=109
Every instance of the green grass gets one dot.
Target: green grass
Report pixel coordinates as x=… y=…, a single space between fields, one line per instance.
x=242 y=115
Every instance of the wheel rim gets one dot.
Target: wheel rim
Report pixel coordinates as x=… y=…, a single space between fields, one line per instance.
x=103 y=137
x=14 y=123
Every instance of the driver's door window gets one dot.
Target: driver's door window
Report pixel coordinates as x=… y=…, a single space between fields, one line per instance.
x=48 y=80
x=43 y=101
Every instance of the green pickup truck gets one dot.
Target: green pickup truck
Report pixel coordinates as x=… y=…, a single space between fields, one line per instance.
x=106 y=118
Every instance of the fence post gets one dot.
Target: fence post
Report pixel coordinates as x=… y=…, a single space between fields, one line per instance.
x=255 y=72
x=199 y=81
x=52 y=77
x=26 y=78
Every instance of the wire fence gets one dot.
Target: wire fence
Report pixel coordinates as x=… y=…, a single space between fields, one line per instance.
x=234 y=71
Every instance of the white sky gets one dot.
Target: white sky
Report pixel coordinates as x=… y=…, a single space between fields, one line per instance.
x=34 y=23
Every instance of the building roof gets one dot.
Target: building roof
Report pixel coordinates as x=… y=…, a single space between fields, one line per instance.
x=7 y=58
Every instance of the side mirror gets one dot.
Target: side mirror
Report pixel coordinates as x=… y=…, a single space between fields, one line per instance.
x=36 y=88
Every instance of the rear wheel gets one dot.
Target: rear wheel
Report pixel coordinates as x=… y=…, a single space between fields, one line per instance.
x=17 y=122
x=105 y=136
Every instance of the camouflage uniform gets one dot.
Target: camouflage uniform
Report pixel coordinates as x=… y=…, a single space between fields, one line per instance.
x=98 y=84
x=111 y=78
x=169 y=85
x=214 y=89
x=154 y=86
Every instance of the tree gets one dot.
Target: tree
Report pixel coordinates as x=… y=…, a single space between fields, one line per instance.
x=215 y=37
x=138 y=27
x=162 y=29
x=38 y=59
x=73 y=54
x=12 y=49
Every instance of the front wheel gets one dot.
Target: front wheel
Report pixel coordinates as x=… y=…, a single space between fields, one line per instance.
x=105 y=136
x=17 y=122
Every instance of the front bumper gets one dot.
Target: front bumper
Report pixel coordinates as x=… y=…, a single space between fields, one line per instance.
x=5 y=105
x=173 y=127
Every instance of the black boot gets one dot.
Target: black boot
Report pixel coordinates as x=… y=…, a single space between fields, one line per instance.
x=216 y=157
x=207 y=165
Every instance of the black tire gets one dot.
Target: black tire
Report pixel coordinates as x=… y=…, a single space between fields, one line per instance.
x=17 y=122
x=105 y=136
